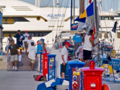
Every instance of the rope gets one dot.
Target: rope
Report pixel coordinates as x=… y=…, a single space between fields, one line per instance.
x=64 y=13
x=48 y=3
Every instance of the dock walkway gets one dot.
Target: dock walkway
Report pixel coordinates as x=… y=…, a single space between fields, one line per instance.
x=18 y=80
x=21 y=79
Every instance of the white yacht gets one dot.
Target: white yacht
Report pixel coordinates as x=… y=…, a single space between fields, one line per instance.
x=42 y=22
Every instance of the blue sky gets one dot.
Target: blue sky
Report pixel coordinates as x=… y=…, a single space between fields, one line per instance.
x=106 y=4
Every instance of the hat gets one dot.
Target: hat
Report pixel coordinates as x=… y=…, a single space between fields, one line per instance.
x=67 y=43
x=18 y=30
x=29 y=36
x=9 y=34
x=26 y=31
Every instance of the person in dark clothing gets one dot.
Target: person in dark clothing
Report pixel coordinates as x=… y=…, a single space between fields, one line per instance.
x=14 y=52
x=19 y=38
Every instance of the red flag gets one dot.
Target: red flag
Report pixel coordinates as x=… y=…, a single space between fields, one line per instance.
x=90 y=1
x=94 y=31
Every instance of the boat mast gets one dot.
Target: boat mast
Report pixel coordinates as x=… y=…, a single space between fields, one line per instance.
x=57 y=3
x=81 y=6
x=37 y=3
x=73 y=11
x=53 y=3
x=97 y=28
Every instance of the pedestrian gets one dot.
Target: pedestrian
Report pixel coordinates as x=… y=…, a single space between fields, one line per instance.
x=64 y=58
x=77 y=40
x=29 y=42
x=26 y=35
x=32 y=55
x=14 y=52
x=87 y=47
x=25 y=45
x=79 y=52
x=39 y=49
x=9 y=41
x=19 y=38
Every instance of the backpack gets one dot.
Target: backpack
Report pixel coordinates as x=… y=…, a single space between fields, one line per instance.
x=39 y=78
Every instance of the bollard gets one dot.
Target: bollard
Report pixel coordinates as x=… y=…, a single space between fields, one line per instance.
x=92 y=77
x=51 y=66
x=75 y=80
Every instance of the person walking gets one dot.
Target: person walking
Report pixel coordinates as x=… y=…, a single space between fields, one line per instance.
x=9 y=41
x=39 y=49
x=29 y=42
x=26 y=35
x=64 y=58
x=19 y=38
x=77 y=40
x=13 y=48
x=32 y=55
x=87 y=47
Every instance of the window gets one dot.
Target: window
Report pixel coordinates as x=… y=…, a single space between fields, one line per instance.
x=12 y=20
x=33 y=34
x=107 y=18
x=118 y=35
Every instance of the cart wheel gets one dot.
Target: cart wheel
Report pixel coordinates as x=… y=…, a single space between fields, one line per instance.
x=105 y=87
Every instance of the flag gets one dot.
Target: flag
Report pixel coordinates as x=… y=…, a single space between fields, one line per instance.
x=94 y=31
x=89 y=24
x=80 y=20
x=90 y=1
x=87 y=13
x=81 y=26
x=115 y=26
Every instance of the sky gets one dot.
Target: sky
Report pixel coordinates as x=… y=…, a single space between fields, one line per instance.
x=106 y=4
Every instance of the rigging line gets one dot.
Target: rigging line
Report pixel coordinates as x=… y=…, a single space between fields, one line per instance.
x=58 y=17
x=54 y=21
x=64 y=13
x=51 y=18
x=48 y=3
x=58 y=13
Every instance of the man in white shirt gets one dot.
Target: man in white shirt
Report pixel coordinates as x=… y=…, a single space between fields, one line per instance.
x=26 y=35
x=29 y=42
x=87 y=47
x=32 y=55
x=63 y=58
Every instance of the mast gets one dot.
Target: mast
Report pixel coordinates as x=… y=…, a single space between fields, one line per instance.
x=37 y=3
x=57 y=3
x=97 y=28
x=53 y=3
x=73 y=11
x=82 y=6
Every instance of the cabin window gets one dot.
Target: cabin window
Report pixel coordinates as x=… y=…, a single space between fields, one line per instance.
x=12 y=20
x=33 y=34
x=107 y=18
x=118 y=35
